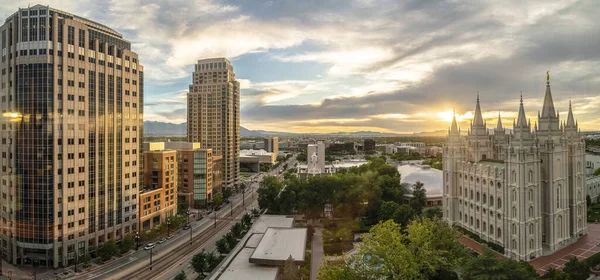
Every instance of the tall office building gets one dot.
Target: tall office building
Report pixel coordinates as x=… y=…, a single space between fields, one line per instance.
x=71 y=100
x=214 y=113
x=272 y=145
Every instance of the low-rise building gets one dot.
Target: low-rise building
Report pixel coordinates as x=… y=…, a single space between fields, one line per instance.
x=431 y=178
x=158 y=197
x=251 y=160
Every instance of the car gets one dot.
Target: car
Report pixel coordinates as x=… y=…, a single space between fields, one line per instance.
x=162 y=241
x=186 y=227
x=149 y=246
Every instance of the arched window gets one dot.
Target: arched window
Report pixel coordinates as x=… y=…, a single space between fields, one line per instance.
x=484 y=198
x=531 y=244
x=459 y=191
x=514 y=212
x=484 y=227
x=499 y=233
x=477 y=197
x=471 y=194
x=465 y=218
x=560 y=226
x=499 y=205
x=491 y=200
x=499 y=185
x=530 y=195
x=514 y=229
x=514 y=176
x=477 y=224
x=471 y=221
x=491 y=230
x=531 y=228
x=530 y=176
x=530 y=211
x=557 y=168
x=514 y=195
x=514 y=244
x=466 y=192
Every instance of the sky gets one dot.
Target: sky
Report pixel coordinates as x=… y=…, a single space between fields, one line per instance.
x=364 y=65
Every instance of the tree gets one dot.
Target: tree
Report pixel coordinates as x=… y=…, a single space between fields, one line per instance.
x=391 y=190
x=231 y=240
x=404 y=215
x=218 y=199
x=198 y=262
x=597 y=172
x=427 y=247
x=182 y=206
x=227 y=193
x=108 y=250
x=419 y=197
x=268 y=191
x=126 y=244
x=487 y=266
x=553 y=274
x=222 y=246
x=212 y=260
x=246 y=221
x=180 y=276
x=435 y=212
x=387 y=211
x=290 y=270
x=588 y=200
x=576 y=270
x=236 y=230
x=301 y=157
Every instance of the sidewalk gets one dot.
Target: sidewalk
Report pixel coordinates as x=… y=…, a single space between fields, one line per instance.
x=316 y=256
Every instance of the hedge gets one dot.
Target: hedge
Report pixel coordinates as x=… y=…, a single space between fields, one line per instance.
x=476 y=237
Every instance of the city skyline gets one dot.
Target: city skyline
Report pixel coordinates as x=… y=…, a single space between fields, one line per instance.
x=354 y=66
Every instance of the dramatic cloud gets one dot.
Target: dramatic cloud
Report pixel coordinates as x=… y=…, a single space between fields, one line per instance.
x=380 y=65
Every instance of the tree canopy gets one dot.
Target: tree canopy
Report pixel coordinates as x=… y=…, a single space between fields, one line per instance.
x=487 y=266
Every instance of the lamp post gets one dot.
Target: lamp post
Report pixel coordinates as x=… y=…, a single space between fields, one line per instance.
x=137 y=240
x=76 y=259
x=169 y=227
x=151 y=258
x=191 y=229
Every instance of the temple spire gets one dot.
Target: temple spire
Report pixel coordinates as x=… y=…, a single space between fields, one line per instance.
x=570 y=118
x=478 y=120
x=521 y=120
x=454 y=126
x=548 y=109
x=499 y=125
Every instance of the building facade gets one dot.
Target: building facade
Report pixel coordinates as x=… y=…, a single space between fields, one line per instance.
x=369 y=145
x=272 y=145
x=196 y=177
x=523 y=190
x=158 y=197
x=213 y=116
x=72 y=102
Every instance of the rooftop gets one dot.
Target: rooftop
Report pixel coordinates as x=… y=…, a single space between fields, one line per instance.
x=266 y=221
x=241 y=269
x=277 y=244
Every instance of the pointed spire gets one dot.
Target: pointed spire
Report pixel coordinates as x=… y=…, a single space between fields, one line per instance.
x=454 y=126
x=521 y=120
x=570 y=119
x=548 y=109
x=478 y=119
x=499 y=125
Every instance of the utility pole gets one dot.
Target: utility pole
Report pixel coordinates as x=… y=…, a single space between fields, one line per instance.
x=151 y=258
x=215 y=217
x=137 y=240
x=76 y=259
x=191 y=229
x=169 y=227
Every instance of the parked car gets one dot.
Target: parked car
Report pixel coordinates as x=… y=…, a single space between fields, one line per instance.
x=162 y=241
x=149 y=246
x=186 y=227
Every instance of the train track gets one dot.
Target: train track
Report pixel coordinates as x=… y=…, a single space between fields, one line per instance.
x=175 y=254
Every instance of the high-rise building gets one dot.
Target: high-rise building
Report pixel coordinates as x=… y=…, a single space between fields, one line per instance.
x=369 y=145
x=522 y=190
x=214 y=113
x=72 y=102
x=272 y=145
x=158 y=196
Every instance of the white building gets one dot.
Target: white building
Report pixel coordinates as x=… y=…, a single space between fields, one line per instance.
x=431 y=178
x=525 y=190
x=315 y=157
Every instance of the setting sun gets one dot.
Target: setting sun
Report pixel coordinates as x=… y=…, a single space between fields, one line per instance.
x=446 y=116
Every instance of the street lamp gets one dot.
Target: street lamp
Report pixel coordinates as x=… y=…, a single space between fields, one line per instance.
x=169 y=227
x=137 y=240
x=151 y=258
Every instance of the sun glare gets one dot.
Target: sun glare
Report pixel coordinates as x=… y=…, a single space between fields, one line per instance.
x=446 y=116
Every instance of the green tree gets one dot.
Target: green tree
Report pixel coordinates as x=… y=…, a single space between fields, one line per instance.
x=180 y=276
x=487 y=266
x=588 y=200
x=597 y=172
x=212 y=260
x=198 y=262
x=227 y=193
x=576 y=270
x=231 y=240
x=236 y=230
x=290 y=270
x=108 y=250
x=222 y=246
x=268 y=191
x=182 y=206
x=218 y=200
x=301 y=157
x=404 y=215
x=391 y=190
x=126 y=244
x=419 y=198
x=553 y=274
x=434 y=212
x=246 y=221
x=387 y=211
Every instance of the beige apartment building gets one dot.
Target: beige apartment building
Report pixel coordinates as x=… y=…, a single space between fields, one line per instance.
x=214 y=113
x=72 y=105
x=158 y=197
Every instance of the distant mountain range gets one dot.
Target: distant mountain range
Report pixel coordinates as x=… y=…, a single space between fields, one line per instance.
x=153 y=128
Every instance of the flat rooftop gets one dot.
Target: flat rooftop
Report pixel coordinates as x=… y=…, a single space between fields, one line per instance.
x=278 y=244
x=267 y=221
x=241 y=269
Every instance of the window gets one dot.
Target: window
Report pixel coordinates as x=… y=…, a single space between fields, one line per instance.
x=530 y=211
x=499 y=203
x=530 y=176
x=558 y=197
